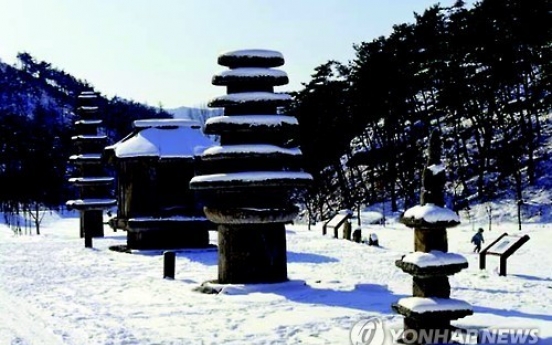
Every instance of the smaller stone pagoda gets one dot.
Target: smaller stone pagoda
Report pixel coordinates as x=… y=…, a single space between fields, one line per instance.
x=431 y=309
x=154 y=165
x=90 y=178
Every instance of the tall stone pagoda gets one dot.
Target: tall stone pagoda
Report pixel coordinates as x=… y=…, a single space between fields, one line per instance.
x=154 y=166
x=249 y=181
x=431 y=308
x=91 y=180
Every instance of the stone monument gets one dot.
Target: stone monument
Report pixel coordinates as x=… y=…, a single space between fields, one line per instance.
x=431 y=309
x=154 y=165
x=250 y=180
x=91 y=180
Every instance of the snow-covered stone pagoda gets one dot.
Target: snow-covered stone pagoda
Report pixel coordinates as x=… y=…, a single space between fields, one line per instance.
x=91 y=180
x=431 y=307
x=154 y=166
x=249 y=181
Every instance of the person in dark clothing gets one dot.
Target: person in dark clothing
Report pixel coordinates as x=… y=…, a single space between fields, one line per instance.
x=477 y=239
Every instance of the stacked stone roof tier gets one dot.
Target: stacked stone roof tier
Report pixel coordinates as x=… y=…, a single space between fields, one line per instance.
x=250 y=181
x=430 y=309
x=90 y=204
x=430 y=265
x=251 y=58
x=86 y=181
x=88 y=145
x=434 y=263
x=252 y=170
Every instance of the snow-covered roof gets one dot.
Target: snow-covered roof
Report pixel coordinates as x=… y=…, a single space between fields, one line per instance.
x=426 y=304
x=253 y=120
x=434 y=258
x=432 y=214
x=148 y=123
x=256 y=148
x=179 y=142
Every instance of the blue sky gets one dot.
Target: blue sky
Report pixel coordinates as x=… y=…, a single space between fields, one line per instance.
x=165 y=51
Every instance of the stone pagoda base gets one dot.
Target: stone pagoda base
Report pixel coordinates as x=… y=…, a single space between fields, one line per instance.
x=168 y=233
x=249 y=253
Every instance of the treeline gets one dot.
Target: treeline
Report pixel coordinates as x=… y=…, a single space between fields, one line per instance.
x=37 y=111
x=482 y=75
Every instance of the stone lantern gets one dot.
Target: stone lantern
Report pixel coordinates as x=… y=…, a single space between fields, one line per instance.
x=431 y=309
x=249 y=182
x=91 y=180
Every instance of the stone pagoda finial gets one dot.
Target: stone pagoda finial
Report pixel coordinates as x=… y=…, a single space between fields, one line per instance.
x=431 y=309
x=249 y=182
x=433 y=177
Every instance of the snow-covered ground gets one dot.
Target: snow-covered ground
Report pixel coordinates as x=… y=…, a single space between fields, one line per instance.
x=54 y=291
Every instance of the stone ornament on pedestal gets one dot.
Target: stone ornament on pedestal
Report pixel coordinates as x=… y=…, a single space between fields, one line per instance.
x=249 y=181
x=94 y=187
x=431 y=309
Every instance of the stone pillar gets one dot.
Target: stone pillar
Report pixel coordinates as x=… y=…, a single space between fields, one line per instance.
x=248 y=182
x=431 y=309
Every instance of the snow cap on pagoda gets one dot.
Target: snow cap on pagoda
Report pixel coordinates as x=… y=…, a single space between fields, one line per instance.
x=253 y=120
x=251 y=58
x=233 y=99
x=434 y=258
x=238 y=150
x=449 y=308
x=434 y=263
x=430 y=213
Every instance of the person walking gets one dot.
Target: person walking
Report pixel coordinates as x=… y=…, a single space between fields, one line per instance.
x=477 y=239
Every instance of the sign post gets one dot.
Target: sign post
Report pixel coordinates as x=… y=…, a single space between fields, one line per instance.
x=335 y=222
x=503 y=247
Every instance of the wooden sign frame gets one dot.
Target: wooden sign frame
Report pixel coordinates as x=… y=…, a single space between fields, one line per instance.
x=504 y=246
x=335 y=222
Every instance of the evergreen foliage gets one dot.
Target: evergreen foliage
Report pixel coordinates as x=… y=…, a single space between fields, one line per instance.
x=37 y=110
x=481 y=75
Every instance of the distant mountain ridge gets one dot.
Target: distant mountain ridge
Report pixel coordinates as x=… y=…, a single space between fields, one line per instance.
x=197 y=114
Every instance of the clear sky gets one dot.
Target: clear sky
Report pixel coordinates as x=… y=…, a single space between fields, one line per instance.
x=165 y=51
